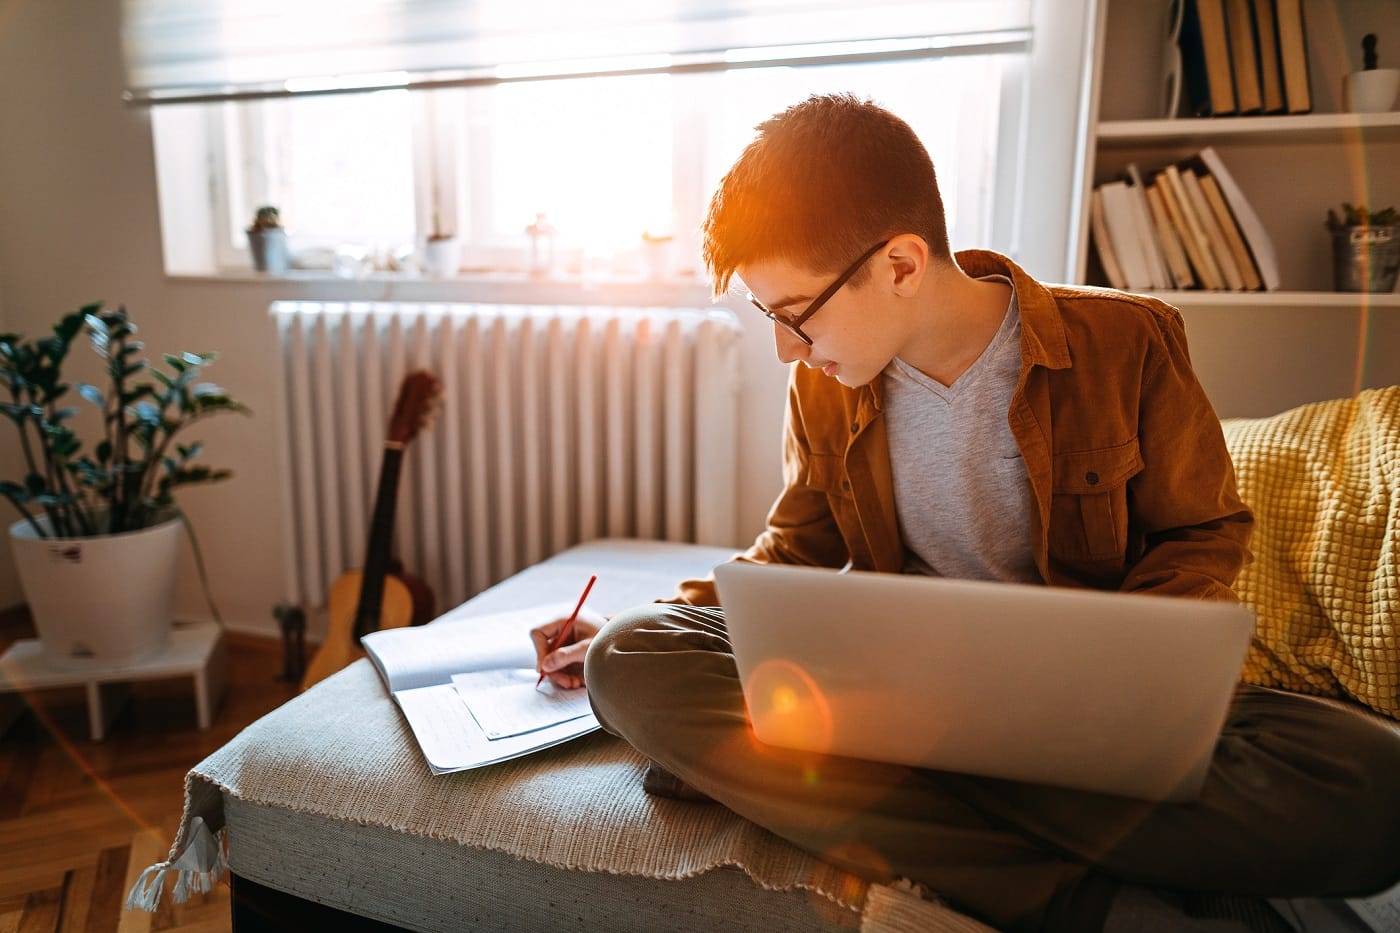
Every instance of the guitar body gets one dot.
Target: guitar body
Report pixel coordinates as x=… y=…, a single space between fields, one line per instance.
x=341 y=647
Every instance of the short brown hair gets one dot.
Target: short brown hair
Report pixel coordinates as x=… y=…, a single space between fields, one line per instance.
x=822 y=182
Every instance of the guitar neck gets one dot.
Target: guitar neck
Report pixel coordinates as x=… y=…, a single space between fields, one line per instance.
x=377 y=549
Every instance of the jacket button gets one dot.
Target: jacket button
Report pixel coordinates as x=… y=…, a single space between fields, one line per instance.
x=1091 y=478
x=855 y=427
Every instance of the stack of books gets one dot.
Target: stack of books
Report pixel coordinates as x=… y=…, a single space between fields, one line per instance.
x=1244 y=57
x=1186 y=226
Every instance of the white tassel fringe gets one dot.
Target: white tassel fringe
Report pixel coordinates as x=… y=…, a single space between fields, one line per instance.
x=199 y=864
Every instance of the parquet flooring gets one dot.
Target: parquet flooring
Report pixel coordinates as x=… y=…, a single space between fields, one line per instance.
x=80 y=820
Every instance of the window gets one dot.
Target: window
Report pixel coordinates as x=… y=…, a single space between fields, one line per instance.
x=584 y=174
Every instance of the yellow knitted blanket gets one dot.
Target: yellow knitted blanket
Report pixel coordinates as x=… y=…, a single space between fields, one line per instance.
x=1324 y=483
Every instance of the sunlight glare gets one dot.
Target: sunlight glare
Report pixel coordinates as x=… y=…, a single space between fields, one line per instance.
x=593 y=155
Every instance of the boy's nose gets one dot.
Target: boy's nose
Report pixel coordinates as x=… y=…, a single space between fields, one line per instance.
x=788 y=345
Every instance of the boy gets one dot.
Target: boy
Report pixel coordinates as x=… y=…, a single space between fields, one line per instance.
x=953 y=416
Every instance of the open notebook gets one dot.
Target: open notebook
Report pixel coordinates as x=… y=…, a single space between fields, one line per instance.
x=467 y=688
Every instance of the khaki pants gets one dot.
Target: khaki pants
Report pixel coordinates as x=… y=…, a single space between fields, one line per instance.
x=1302 y=799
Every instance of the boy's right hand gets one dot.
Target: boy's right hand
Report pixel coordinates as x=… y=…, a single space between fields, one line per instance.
x=564 y=665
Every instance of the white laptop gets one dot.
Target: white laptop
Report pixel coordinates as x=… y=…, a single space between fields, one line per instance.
x=1118 y=693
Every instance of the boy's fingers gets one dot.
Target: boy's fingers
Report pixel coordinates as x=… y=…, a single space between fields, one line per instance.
x=567 y=655
x=565 y=680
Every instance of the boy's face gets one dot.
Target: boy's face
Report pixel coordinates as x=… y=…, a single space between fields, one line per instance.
x=853 y=337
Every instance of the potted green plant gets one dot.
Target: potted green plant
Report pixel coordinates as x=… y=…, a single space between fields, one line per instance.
x=1365 y=248
x=267 y=241
x=1372 y=89
x=97 y=543
x=656 y=255
x=442 y=253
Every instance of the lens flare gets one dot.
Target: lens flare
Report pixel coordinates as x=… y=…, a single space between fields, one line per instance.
x=788 y=709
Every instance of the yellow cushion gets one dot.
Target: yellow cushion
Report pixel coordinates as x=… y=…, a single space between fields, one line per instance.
x=1324 y=483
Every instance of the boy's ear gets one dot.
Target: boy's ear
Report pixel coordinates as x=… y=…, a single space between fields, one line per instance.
x=909 y=257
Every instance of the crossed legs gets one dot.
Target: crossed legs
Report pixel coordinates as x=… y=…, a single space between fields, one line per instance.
x=1302 y=799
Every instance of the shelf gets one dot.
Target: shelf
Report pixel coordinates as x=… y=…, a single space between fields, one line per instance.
x=1345 y=300
x=1303 y=128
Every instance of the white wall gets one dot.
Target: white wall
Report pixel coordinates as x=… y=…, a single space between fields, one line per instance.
x=9 y=467
x=81 y=223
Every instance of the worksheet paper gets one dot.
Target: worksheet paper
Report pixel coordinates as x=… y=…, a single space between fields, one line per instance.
x=508 y=703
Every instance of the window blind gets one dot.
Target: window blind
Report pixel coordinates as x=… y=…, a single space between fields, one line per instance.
x=179 y=51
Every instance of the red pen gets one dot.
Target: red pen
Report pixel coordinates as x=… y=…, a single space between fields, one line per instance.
x=568 y=625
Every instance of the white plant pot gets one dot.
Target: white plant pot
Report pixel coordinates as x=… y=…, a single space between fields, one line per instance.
x=442 y=257
x=269 y=249
x=99 y=602
x=1371 y=91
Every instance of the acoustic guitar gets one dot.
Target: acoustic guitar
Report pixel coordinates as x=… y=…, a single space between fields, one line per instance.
x=375 y=597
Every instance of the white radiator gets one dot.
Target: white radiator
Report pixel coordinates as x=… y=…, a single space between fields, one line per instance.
x=558 y=425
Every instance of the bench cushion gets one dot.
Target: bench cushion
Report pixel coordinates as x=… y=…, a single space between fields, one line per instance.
x=328 y=798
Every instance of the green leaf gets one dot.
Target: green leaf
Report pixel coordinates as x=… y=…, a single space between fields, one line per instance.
x=145 y=412
x=92 y=394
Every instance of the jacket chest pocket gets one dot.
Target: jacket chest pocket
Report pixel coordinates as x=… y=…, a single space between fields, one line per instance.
x=827 y=473
x=1089 y=502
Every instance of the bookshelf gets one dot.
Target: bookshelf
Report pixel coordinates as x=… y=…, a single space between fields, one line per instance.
x=1304 y=341
x=1326 y=128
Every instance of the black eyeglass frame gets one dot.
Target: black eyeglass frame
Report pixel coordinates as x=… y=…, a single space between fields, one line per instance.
x=795 y=324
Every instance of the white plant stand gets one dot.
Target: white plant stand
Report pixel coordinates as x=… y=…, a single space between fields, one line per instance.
x=196 y=650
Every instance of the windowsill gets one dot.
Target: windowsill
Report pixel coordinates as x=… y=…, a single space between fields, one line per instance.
x=502 y=287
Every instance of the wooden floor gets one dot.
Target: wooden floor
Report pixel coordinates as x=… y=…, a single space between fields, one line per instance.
x=80 y=820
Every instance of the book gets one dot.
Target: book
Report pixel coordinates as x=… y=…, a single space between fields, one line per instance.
x=1244 y=55
x=1215 y=237
x=1293 y=56
x=1198 y=247
x=1121 y=218
x=467 y=688
x=1381 y=911
x=1230 y=227
x=1256 y=237
x=1205 y=59
x=1164 y=190
x=1172 y=247
x=1266 y=43
x=1147 y=230
x=1098 y=227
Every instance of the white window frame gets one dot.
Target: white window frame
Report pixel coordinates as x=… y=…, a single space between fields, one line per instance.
x=1018 y=180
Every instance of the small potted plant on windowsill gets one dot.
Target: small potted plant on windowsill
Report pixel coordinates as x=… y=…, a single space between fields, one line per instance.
x=267 y=241
x=442 y=253
x=1372 y=89
x=1365 y=248
x=97 y=545
x=656 y=255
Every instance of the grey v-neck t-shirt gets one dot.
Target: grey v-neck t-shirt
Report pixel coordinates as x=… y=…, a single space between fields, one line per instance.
x=961 y=491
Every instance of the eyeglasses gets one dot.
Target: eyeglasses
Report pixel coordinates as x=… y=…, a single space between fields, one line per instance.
x=795 y=324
